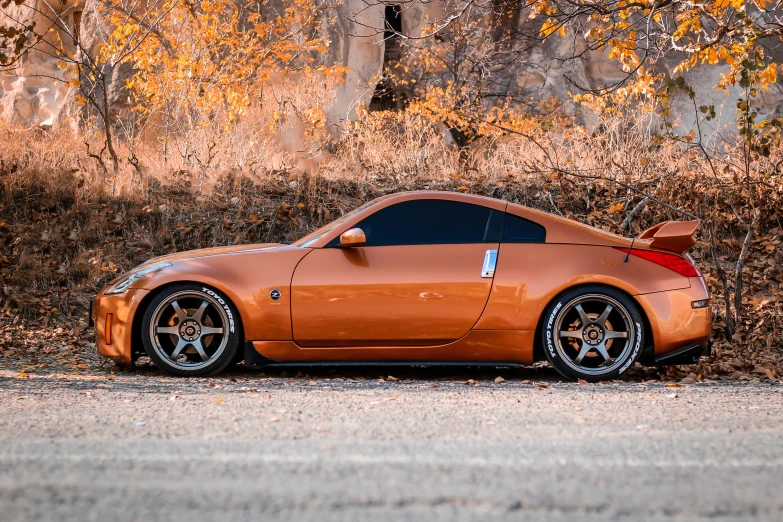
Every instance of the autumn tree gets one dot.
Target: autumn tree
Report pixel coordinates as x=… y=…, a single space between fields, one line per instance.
x=53 y=31
x=208 y=62
x=191 y=67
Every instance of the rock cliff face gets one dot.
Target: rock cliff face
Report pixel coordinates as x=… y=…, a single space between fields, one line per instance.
x=548 y=73
x=36 y=90
x=36 y=93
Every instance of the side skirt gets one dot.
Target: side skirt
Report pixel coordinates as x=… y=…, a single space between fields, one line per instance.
x=411 y=364
x=498 y=347
x=253 y=359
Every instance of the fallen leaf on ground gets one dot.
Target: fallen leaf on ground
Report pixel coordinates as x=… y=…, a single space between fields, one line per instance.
x=582 y=381
x=391 y=378
x=499 y=380
x=673 y=385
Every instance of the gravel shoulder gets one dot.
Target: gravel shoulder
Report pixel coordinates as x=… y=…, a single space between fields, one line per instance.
x=436 y=444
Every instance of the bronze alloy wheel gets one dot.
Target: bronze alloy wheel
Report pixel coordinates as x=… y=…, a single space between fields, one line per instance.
x=190 y=330
x=593 y=335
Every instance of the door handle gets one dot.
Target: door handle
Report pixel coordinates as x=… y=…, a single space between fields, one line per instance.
x=490 y=260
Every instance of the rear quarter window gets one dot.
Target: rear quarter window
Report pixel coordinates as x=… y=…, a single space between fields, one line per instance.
x=520 y=230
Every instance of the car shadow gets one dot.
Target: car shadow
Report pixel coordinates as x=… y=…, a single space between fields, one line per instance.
x=393 y=373
x=541 y=372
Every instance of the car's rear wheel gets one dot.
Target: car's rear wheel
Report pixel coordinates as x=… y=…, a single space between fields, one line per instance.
x=593 y=333
x=191 y=330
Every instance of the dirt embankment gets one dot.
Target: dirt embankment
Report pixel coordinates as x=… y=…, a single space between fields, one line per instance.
x=61 y=242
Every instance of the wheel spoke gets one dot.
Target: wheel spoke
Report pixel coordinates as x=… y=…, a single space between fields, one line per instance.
x=200 y=349
x=605 y=315
x=582 y=315
x=208 y=330
x=180 y=346
x=573 y=334
x=181 y=315
x=611 y=334
x=198 y=316
x=172 y=330
x=585 y=349
x=601 y=348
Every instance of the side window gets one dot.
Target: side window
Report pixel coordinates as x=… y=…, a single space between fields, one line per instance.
x=520 y=230
x=425 y=222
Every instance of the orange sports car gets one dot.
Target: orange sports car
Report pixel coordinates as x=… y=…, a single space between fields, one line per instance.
x=419 y=278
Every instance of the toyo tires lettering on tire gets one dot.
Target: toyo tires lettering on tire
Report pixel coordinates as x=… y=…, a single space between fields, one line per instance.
x=225 y=307
x=593 y=333
x=549 y=340
x=190 y=330
x=637 y=350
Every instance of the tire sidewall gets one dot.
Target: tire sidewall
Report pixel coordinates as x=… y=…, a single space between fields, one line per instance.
x=220 y=363
x=548 y=333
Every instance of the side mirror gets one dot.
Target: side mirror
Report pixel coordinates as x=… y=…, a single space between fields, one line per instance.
x=352 y=238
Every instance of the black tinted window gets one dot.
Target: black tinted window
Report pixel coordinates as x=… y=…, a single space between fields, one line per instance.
x=519 y=230
x=425 y=222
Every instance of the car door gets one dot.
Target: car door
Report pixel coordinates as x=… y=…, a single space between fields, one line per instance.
x=418 y=280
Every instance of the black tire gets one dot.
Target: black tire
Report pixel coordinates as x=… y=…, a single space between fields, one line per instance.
x=174 y=334
x=593 y=333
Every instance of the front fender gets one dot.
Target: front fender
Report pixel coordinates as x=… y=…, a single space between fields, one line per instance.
x=247 y=279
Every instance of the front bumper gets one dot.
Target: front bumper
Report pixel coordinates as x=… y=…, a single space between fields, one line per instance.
x=113 y=316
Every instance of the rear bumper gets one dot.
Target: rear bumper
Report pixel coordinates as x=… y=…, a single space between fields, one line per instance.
x=115 y=341
x=675 y=325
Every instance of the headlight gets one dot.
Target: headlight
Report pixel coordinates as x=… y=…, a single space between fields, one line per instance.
x=124 y=283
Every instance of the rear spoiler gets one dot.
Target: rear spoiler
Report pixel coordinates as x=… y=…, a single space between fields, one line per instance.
x=676 y=236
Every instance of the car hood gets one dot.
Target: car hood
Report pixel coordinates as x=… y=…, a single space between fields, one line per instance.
x=216 y=251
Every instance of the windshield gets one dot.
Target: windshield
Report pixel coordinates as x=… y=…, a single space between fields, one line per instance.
x=310 y=238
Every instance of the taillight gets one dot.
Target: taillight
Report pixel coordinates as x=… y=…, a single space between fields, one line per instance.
x=671 y=261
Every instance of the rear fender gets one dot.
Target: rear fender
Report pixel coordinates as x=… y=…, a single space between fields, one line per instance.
x=529 y=276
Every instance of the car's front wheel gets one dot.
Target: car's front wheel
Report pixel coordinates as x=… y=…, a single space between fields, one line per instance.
x=593 y=333
x=191 y=330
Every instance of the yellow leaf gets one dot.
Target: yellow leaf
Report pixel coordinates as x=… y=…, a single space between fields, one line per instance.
x=548 y=27
x=769 y=75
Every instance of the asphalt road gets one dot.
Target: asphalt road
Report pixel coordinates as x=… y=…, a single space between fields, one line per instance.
x=349 y=447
